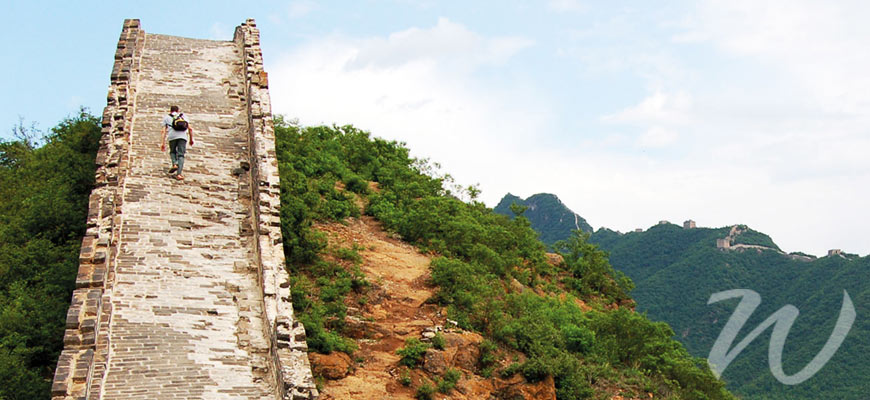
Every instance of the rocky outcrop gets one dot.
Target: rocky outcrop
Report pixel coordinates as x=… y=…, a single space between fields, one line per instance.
x=335 y=365
x=518 y=389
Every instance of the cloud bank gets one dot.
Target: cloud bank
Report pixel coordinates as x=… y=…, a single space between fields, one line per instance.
x=745 y=112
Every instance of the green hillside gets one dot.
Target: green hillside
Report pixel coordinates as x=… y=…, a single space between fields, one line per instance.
x=45 y=180
x=549 y=217
x=676 y=270
x=326 y=172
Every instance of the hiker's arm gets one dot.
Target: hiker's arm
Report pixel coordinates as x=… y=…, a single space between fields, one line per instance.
x=190 y=134
x=163 y=139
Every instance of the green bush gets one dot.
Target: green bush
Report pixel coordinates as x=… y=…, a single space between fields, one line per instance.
x=425 y=391
x=446 y=384
x=405 y=377
x=591 y=272
x=412 y=353
x=511 y=370
x=536 y=369
x=487 y=354
x=627 y=338
x=575 y=387
x=357 y=185
x=349 y=254
x=319 y=337
x=320 y=304
x=438 y=341
x=578 y=339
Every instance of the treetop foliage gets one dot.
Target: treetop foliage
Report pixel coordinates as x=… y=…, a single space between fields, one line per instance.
x=45 y=181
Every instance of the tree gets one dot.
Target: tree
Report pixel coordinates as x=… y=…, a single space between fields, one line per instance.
x=44 y=185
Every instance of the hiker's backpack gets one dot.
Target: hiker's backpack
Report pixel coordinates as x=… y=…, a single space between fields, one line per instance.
x=178 y=123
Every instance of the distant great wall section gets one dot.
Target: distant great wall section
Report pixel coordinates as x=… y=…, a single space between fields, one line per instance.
x=181 y=291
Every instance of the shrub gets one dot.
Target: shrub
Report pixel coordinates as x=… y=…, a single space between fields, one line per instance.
x=577 y=338
x=438 y=341
x=488 y=356
x=320 y=338
x=356 y=185
x=451 y=376
x=511 y=370
x=536 y=369
x=319 y=304
x=573 y=387
x=412 y=353
x=591 y=271
x=349 y=254
x=45 y=180
x=425 y=391
x=405 y=377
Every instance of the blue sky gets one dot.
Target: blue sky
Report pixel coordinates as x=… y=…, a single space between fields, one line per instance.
x=632 y=112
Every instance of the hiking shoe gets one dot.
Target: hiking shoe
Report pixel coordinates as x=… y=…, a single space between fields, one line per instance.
x=173 y=169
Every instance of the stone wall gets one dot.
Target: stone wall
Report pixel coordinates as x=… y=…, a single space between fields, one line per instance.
x=86 y=316
x=287 y=334
x=181 y=290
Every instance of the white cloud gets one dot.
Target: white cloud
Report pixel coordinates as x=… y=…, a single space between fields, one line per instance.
x=418 y=86
x=661 y=114
x=768 y=138
x=448 y=44
x=620 y=44
x=657 y=136
x=773 y=132
x=808 y=115
x=658 y=108
x=819 y=46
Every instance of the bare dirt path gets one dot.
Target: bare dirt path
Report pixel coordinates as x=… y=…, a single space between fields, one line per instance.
x=397 y=310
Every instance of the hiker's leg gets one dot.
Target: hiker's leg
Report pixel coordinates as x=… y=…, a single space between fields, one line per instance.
x=180 y=149
x=172 y=154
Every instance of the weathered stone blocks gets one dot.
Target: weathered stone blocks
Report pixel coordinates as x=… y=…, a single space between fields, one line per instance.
x=181 y=290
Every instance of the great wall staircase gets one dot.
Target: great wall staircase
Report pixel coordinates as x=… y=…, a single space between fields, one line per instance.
x=181 y=291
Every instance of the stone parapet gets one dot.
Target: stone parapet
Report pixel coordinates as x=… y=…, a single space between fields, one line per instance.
x=87 y=316
x=182 y=290
x=287 y=334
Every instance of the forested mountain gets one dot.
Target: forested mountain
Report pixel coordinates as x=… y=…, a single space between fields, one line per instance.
x=549 y=217
x=45 y=181
x=676 y=270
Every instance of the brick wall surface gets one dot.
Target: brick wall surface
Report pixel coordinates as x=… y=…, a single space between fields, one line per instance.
x=181 y=291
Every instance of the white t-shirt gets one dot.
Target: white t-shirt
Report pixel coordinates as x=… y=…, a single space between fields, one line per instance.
x=172 y=133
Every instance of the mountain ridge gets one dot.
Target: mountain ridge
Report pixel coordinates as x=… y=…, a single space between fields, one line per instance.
x=676 y=269
x=551 y=218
